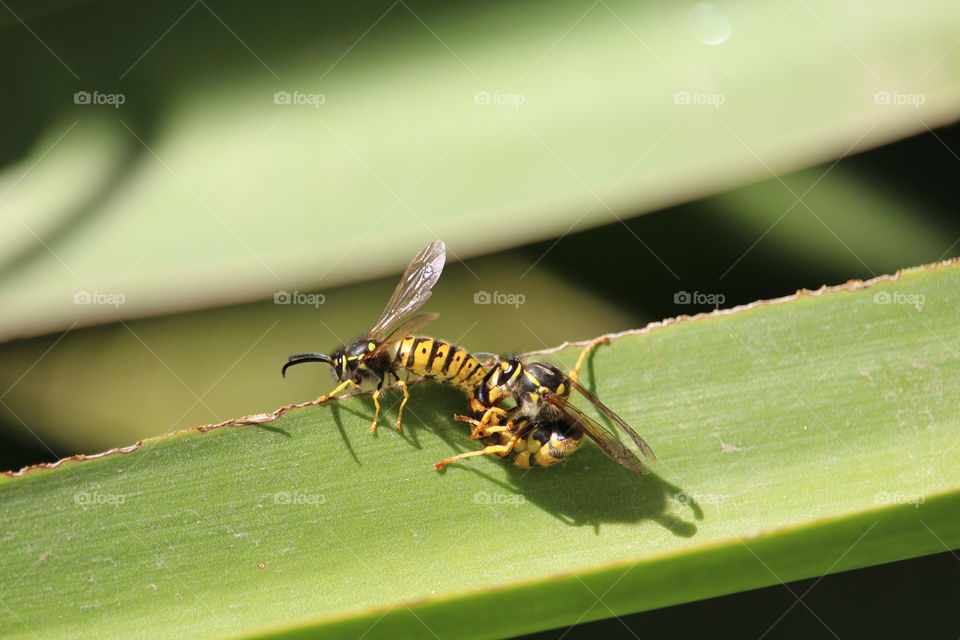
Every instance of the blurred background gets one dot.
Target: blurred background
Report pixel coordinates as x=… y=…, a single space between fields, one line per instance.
x=192 y=191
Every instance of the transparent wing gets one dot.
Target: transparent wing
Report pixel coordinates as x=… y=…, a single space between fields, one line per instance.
x=610 y=445
x=408 y=327
x=607 y=411
x=414 y=287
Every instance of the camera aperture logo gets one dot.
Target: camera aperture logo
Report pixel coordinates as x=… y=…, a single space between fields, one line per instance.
x=99 y=297
x=515 y=100
x=899 y=498
x=312 y=99
x=298 y=297
x=299 y=498
x=698 y=297
x=900 y=98
x=497 y=297
x=88 y=498
x=95 y=97
x=916 y=300
x=486 y=497
x=715 y=100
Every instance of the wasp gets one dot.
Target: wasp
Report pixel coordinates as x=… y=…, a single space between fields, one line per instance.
x=544 y=427
x=391 y=346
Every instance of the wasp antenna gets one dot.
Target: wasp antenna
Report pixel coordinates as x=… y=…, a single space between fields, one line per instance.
x=320 y=356
x=304 y=357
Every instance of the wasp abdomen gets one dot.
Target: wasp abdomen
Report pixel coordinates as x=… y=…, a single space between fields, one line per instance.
x=441 y=361
x=547 y=444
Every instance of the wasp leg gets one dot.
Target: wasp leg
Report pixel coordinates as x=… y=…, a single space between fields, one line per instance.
x=490 y=414
x=498 y=449
x=376 y=406
x=403 y=403
x=583 y=355
x=343 y=385
x=480 y=430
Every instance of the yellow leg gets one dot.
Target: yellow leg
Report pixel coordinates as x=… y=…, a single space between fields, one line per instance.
x=343 y=385
x=490 y=413
x=376 y=409
x=350 y=383
x=403 y=403
x=479 y=430
x=583 y=355
x=500 y=449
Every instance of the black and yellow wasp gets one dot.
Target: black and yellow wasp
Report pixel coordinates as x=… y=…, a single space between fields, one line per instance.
x=541 y=429
x=390 y=345
x=545 y=427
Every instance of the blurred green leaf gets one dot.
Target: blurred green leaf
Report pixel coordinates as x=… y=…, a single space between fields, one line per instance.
x=796 y=438
x=200 y=190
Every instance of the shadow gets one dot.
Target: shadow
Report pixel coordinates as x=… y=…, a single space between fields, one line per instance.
x=19 y=448
x=274 y=429
x=588 y=489
x=335 y=409
x=680 y=260
x=429 y=405
x=591 y=489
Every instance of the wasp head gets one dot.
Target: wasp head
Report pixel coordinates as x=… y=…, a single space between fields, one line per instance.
x=500 y=380
x=347 y=362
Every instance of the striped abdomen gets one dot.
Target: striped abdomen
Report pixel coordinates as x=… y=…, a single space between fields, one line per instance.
x=545 y=444
x=440 y=361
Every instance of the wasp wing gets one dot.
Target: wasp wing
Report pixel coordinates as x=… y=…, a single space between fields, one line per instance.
x=610 y=445
x=410 y=326
x=607 y=411
x=413 y=289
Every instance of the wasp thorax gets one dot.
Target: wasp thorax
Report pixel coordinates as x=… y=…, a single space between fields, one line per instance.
x=543 y=375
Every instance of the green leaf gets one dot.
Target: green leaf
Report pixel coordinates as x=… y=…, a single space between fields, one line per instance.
x=199 y=190
x=796 y=437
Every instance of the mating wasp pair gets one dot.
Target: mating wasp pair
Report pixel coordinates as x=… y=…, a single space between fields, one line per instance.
x=541 y=427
